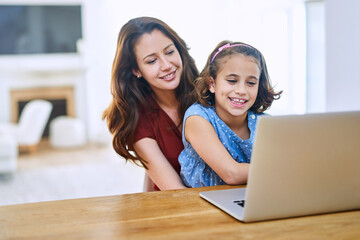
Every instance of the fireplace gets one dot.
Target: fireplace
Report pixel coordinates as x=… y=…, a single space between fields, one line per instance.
x=62 y=99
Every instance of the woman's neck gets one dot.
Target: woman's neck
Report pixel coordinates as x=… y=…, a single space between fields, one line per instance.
x=169 y=104
x=167 y=100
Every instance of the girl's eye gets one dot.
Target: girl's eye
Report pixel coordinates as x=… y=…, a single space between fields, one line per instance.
x=252 y=83
x=231 y=81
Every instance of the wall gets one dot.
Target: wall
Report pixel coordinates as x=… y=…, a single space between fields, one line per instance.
x=315 y=57
x=270 y=26
x=342 y=55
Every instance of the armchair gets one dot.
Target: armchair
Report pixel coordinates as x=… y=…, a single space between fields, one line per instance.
x=30 y=128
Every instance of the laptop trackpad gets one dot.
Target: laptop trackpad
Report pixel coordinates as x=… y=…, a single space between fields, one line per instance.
x=231 y=201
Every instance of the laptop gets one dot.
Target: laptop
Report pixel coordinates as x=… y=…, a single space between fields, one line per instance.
x=301 y=165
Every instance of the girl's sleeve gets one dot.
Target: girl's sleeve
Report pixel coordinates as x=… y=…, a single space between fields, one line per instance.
x=194 y=110
x=192 y=166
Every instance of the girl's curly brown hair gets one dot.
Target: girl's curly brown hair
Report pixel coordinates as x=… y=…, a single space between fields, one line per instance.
x=266 y=94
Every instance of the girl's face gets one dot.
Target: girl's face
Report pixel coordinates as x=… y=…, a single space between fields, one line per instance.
x=159 y=61
x=235 y=87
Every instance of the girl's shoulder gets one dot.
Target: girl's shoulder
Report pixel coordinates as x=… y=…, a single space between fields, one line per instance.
x=200 y=110
x=253 y=117
x=256 y=115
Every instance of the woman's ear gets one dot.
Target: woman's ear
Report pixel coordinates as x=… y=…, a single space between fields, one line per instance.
x=136 y=73
x=212 y=85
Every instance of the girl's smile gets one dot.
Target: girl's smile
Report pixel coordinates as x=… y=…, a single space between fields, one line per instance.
x=237 y=102
x=235 y=87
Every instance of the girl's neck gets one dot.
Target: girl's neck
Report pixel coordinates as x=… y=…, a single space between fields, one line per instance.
x=239 y=125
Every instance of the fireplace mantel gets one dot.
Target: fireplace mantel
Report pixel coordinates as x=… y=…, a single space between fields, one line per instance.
x=36 y=71
x=42 y=64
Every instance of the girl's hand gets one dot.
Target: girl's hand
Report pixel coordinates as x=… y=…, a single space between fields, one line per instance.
x=203 y=138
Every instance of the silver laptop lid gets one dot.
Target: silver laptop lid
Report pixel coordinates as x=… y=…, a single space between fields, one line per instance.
x=303 y=165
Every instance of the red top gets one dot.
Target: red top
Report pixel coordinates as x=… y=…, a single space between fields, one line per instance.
x=156 y=124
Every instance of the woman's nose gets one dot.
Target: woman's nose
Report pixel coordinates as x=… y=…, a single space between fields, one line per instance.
x=165 y=64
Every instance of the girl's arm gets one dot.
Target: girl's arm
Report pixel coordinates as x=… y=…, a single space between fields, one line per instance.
x=159 y=169
x=202 y=136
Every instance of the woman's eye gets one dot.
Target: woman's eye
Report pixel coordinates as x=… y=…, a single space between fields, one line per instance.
x=231 y=81
x=151 y=61
x=170 y=52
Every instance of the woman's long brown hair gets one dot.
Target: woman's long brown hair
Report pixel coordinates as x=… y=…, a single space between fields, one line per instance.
x=129 y=92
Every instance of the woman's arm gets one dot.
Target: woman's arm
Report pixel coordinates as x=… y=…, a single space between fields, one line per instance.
x=148 y=184
x=159 y=169
x=202 y=136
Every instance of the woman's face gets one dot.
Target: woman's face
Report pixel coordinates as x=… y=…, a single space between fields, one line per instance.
x=159 y=61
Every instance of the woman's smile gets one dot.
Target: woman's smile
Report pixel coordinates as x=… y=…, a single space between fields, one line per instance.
x=159 y=61
x=169 y=76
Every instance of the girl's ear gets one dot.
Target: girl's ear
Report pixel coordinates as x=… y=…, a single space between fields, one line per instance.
x=136 y=73
x=212 y=85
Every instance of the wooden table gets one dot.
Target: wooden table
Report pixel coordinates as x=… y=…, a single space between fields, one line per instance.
x=176 y=214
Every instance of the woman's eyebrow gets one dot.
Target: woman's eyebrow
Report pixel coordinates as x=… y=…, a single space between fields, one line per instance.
x=151 y=54
x=171 y=44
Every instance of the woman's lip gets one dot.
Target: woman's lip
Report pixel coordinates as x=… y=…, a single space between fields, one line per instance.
x=169 y=76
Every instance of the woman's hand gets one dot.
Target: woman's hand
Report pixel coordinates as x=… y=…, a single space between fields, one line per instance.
x=159 y=169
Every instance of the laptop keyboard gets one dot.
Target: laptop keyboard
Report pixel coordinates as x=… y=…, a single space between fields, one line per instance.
x=240 y=203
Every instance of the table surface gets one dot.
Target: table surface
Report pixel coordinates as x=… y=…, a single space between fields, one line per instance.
x=175 y=214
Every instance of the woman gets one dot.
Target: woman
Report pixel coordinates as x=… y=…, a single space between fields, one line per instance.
x=152 y=78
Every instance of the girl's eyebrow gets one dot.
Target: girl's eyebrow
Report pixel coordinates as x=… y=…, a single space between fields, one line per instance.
x=151 y=54
x=254 y=77
x=235 y=75
x=232 y=75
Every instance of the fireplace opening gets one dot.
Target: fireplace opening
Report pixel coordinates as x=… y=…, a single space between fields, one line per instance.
x=62 y=99
x=59 y=109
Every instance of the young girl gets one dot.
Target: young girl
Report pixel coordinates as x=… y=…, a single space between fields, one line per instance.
x=152 y=76
x=233 y=91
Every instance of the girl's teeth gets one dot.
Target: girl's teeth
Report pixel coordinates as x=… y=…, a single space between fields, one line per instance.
x=237 y=100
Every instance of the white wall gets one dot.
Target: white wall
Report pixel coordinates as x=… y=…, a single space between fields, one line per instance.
x=315 y=57
x=271 y=26
x=342 y=55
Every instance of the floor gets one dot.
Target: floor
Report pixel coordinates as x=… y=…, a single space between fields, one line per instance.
x=56 y=174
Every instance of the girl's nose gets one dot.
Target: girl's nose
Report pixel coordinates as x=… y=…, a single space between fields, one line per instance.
x=240 y=88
